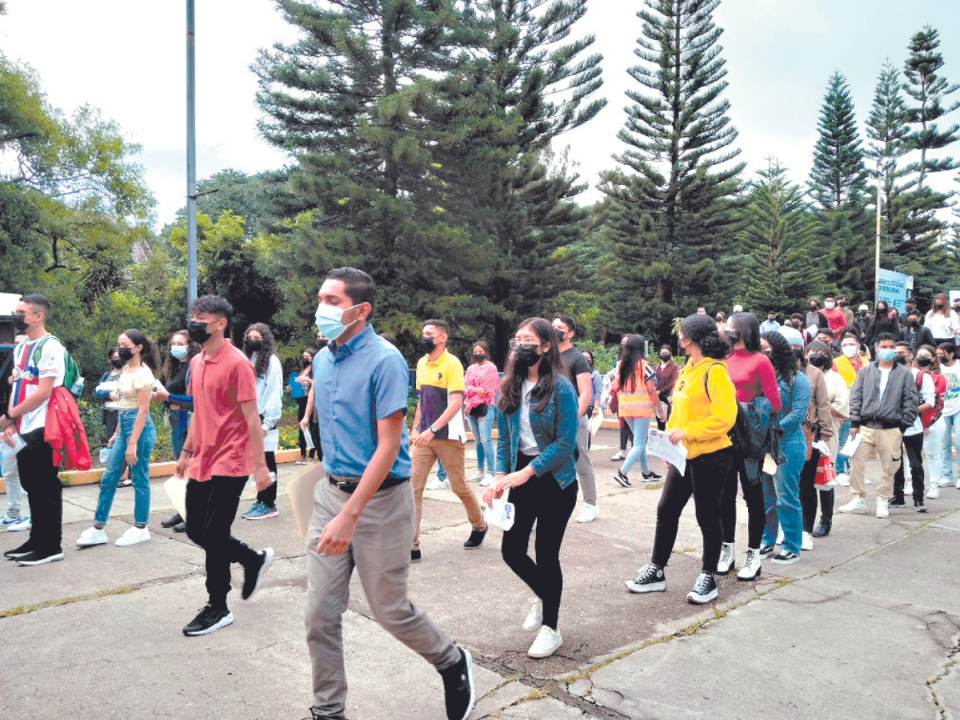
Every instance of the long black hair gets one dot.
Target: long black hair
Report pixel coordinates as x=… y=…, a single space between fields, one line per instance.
x=149 y=355
x=747 y=328
x=267 y=348
x=172 y=365
x=783 y=358
x=630 y=355
x=511 y=387
x=702 y=331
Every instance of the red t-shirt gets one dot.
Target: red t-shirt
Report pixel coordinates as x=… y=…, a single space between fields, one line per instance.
x=836 y=320
x=221 y=440
x=753 y=375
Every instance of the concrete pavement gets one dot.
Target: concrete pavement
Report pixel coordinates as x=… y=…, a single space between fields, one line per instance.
x=868 y=623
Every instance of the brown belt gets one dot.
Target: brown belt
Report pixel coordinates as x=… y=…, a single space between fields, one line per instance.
x=350 y=484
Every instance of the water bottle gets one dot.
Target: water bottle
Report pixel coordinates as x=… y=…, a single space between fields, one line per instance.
x=77 y=387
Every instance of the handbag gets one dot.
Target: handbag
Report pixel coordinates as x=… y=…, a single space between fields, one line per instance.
x=479 y=411
x=826 y=474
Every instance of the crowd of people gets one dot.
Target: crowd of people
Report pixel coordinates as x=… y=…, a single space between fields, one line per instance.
x=774 y=412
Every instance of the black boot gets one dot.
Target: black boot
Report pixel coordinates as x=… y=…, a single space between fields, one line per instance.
x=171 y=521
x=823 y=529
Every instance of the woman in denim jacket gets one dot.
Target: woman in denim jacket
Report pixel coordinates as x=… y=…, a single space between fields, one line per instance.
x=536 y=460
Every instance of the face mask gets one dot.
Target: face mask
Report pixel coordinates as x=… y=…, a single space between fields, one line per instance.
x=322 y=343
x=125 y=354
x=900 y=359
x=427 y=344
x=179 y=351
x=881 y=311
x=252 y=346
x=863 y=313
x=665 y=357
x=20 y=324
x=197 y=331
x=829 y=305
x=843 y=303
x=819 y=360
x=479 y=358
x=914 y=322
x=117 y=363
x=942 y=359
x=938 y=305
x=329 y=321
x=305 y=362
x=886 y=354
x=924 y=361
x=813 y=308
x=719 y=318
x=956 y=308
x=849 y=350
x=525 y=356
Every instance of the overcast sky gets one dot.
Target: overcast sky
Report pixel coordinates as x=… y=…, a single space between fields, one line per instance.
x=128 y=59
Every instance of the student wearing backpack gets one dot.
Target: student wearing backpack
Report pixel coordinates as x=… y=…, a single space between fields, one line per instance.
x=132 y=443
x=39 y=367
x=933 y=424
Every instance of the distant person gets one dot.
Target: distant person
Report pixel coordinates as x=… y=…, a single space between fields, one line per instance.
x=950 y=369
x=701 y=310
x=667 y=373
x=913 y=436
x=834 y=314
x=770 y=324
x=260 y=347
x=481 y=383
x=309 y=452
x=884 y=321
x=848 y=364
x=933 y=423
x=814 y=318
x=861 y=322
x=639 y=403
x=179 y=405
x=942 y=322
x=915 y=333
x=844 y=302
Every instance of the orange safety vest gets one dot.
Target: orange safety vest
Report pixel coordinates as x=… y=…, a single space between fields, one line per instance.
x=637 y=401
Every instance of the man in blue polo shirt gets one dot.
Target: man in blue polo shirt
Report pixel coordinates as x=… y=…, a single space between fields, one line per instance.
x=363 y=512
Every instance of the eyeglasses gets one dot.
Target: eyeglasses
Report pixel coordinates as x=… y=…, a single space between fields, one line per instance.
x=517 y=344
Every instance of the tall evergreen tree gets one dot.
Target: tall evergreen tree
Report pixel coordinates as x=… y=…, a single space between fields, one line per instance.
x=671 y=205
x=779 y=246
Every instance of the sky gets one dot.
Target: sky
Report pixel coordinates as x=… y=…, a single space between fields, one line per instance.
x=129 y=59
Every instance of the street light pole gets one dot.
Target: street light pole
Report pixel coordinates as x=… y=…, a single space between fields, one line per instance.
x=876 y=284
x=191 y=161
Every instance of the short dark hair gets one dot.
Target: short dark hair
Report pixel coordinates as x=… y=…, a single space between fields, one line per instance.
x=886 y=336
x=829 y=295
x=214 y=305
x=850 y=334
x=904 y=343
x=913 y=311
x=825 y=331
x=948 y=347
x=797 y=316
x=442 y=325
x=40 y=301
x=568 y=321
x=910 y=300
x=358 y=285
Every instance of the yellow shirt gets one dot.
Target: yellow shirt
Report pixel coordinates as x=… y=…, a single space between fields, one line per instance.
x=706 y=418
x=843 y=366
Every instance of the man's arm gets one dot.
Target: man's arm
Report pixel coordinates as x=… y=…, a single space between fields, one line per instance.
x=42 y=394
x=186 y=452
x=454 y=405
x=261 y=474
x=584 y=388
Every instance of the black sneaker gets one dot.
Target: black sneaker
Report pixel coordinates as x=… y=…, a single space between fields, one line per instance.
x=458 y=691
x=919 y=506
x=823 y=529
x=36 y=557
x=897 y=503
x=476 y=539
x=767 y=550
x=172 y=521
x=704 y=590
x=415 y=556
x=649 y=579
x=649 y=476
x=180 y=527
x=621 y=477
x=784 y=557
x=253 y=575
x=209 y=620
x=18 y=552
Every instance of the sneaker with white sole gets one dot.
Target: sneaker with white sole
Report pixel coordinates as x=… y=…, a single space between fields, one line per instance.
x=856 y=505
x=934 y=492
x=547 y=642
x=8 y=521
x=22 y=523
x=253 y=575
x=946 y=482
x=883 y=508
x=649 y=578
x=459 y=693
x=487 y=480
x=588 y=513
x=619 y=455
x=437 y=484
x=476 y=477
x=92 y=536
x=208 y=620
x=806 y=543
x=726 y=562
x=785 y=557
x=704 y=590
x=534 y=618
x=37 y=557
x=843 y=480
x=752 y=564
x=133 y=536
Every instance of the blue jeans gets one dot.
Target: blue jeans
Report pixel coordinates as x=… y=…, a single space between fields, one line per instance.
x=179 y=422
x=139 y=473
x=482 y=429
x=639 y=426
x=781 y=495
x=950 y=426
x=11 y=477
x=441 y=473
x=842 y=461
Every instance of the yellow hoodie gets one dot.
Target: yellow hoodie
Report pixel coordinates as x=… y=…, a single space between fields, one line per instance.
x=706 y=420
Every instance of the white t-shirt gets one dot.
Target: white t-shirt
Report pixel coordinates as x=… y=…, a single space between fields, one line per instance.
x=942 y=326
x=884 y=379
x=27 y=376
x=951 y=399
x=928 y=396
x=528 y=443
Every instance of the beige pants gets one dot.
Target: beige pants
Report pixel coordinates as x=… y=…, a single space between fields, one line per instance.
x=451 y=454
x=887 y=443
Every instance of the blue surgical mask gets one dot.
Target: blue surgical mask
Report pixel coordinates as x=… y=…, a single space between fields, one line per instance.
x=179 y=351
x=886 y=354
x=330 y=321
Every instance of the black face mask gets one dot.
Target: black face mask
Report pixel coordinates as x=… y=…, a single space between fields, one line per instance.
x=719 y=318
x=665 y=357
x=322 y=343
x=306 y=362
x=20 y=324
x=197 y=332
x=813 y=308
x=819 y=360
x=125 y=354
x=479 y=358
x=863 y=313
x=914 y=323
x=525 y=357
x=117 y=363
x=427 y=344
x=938 y=305
x=842 y=303
x=252 y=346
x=881 y=311
x=900 y=359
x=924 y=361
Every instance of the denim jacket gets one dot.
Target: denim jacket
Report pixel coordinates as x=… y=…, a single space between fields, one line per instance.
x=792 y=416
x=555 y=429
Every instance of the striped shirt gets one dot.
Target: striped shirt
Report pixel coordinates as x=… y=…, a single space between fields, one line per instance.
x=528 y=443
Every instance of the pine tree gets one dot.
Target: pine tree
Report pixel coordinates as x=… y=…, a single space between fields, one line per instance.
x=670 y=210
x=780 y=268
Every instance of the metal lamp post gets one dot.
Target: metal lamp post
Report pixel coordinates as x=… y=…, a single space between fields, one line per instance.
x=191 y=161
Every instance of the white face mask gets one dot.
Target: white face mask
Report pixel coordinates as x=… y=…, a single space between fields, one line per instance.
x=329 y=320
x=849 y=350
x=829 y=305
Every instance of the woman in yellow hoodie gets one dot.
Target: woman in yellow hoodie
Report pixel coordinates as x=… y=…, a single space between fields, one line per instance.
x=704 y=411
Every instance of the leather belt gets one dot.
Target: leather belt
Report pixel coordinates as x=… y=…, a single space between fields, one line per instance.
x=350 y=484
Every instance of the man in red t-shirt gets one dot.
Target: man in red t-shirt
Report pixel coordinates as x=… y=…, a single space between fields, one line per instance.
x=834 y=314
x=223 y=447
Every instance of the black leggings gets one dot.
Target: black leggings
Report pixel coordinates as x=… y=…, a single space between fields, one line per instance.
x=752 y=496
x=625 y=434
x=540 y=499
x=913 y=444
x=269 y=496
x=810 y=496
x=312 y=428
x=703 y=477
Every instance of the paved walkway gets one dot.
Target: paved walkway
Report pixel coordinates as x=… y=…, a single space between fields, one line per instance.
x=866 y=625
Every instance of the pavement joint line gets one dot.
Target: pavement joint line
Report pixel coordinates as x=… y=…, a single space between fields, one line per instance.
x=951 y=662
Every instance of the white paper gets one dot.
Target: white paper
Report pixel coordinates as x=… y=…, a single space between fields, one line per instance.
x=596 y=421
x=176 y=488
x=659 y=444
x=501 y=513
x=853 y=442
x=300 y=490
x=9 y=452
x=813 y=330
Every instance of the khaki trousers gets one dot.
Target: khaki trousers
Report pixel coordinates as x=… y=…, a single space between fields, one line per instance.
x=380 y=551
x=451 y=454
x=887 y=442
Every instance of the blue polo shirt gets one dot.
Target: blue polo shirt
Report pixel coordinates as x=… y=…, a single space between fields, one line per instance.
x=355 y=384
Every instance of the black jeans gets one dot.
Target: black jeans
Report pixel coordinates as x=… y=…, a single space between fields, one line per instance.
x=914 y=447
x=703 y=477
x=541 y=499
x=752 y=496
x=808 y=490
x=313 y=429
x=269 y=496
x=211 y=508
x=625 y=434
x=41 y=481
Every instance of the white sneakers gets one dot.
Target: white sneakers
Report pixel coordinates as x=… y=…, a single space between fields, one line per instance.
x=806 y=543
x=752 y=563
x=883 y=508
x=843 y=480
x=92 y=536
x=618 y=455
x=725 y=563
x=488 y=480
x=548 y=641
x=534 y=617
x=132 y=536
x=588 y=514
x=934 y=492
x=476 y=477
x=437 y=484
x=855 y=505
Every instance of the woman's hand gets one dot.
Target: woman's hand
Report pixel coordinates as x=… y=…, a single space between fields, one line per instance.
x=493 y=491
x=504 y=482
x=131 y=455
x=161 y=395
x=114 y=396
x=676 y=436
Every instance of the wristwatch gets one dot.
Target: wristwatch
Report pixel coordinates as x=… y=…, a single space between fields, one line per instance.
x=434 y=429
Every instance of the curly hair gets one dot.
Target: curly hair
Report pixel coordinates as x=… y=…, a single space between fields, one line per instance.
x=267 y=350
x=702 y=331
x=783 y=358
x=171 y=365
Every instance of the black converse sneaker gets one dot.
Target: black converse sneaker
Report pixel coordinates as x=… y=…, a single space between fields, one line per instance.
x=208 y=620
x=458 y=690
x=704 y=590
x=649 y=579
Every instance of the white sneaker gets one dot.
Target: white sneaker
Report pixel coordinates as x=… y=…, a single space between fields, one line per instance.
x=752 y=564
x=946 y=482
x=780 y=536
x=725 y=563
x=476 y=477
x=806 y=542
x=534 y=617
x=437 y=484
x=20 y=524
x=92 y=536
x=619 y=455
x=132 y=536
x=854 y=506
x=934 y=492
x=957 y=486
x=488 y=480
x=588 y=514
x=548 y=641
x=843 y=480
x=883 y=508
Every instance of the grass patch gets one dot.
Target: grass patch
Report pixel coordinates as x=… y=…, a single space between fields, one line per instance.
x=653 y=486
x=25 y=609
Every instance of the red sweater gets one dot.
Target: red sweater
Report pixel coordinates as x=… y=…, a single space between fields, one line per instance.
x=753 y=375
